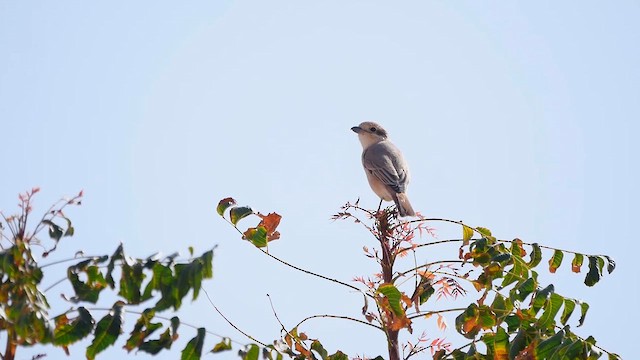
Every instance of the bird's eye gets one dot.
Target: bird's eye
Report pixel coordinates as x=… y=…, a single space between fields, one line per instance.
x=373 y=129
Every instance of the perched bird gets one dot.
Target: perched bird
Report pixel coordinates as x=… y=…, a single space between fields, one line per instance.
x=386 y=170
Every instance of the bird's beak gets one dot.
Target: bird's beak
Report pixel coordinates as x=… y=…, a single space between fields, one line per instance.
x=356 y=129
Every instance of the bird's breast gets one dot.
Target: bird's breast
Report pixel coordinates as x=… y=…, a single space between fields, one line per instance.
x=379 y=187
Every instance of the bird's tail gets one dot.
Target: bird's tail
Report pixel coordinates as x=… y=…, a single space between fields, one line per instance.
x=403 y=204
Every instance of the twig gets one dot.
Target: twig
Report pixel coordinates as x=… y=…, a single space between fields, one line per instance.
x=339 y=317
x=427 y=265
x=429 y=313
x=229 y=321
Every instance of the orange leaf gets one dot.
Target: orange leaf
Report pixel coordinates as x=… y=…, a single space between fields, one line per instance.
x=270 y=222
x=442 y=324
x=520 y=245
x=406 y=300
x=398 y=323
x=303 y=351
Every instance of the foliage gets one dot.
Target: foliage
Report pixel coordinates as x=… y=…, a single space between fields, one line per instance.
x=158 y=284
x=511 y=314
x=514 y=316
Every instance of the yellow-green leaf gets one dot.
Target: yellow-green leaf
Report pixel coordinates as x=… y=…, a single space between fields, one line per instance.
x=394 y=296
x=224 y=205
x=555 y=261
x=238 y=213
x=569 y=305
x=223 y=345
x=536 y=255
x=576 y=264
x=257 y=236
x=467 y=234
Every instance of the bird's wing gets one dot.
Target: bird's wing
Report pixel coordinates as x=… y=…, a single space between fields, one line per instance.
x=384 y=161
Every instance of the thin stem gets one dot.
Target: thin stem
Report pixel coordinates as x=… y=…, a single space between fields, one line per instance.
x=339 y=317
x=429 y=313
x=9 y=225
x=303 y=270
x=54 y=284
x=229 y=321
x=427 y=265
x=429 y=244
x=67 y=260
x=314 y=274
x=295 y=338
x=438 y=219
x=462 y=347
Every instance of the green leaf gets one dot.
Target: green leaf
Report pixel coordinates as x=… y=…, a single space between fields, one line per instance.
x=514 y=274
x=250 y=353
x=165 y=341
x=223 y=345
x=90 y=290
x=484 y=231
x=593 y=276
x=238 y=213
x=55 y=231
x=107 y=331
x=468 y=323
x=426 y=290
x=155 y=346
x=317 y=347
x=142 y=329
x=555 y=261
x=569 y=306
x=611 y=264
x=517 y=344
x=584 y=307
x=600 y=264
x=224 y=204
x=502 y=257
x=193 y=350
x=541 y=297
x=551 y=309
x=547 y=347
x=207 y=261
x=339 y=355
x=501 y=306
x=117 y=255
x=501 y=345
x=66 y=333
x=394 y=296
x=576 y=264
x=571 y=350
x=467 y=234
x=536 y=255
x=70 y=230
x=130 y=282
x=257 y=236
x=162 y=281
x=524 y=289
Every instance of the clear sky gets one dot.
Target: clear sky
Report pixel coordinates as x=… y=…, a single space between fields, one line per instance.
x=518 y=116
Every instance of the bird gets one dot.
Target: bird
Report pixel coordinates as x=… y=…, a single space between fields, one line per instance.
x=386 y=169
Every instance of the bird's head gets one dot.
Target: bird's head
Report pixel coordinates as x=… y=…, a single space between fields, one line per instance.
x=369 y=133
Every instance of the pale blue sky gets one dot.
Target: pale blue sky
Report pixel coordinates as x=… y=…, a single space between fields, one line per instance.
x=521 y=117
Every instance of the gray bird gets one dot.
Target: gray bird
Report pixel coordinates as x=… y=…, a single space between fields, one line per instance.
x=386 y=170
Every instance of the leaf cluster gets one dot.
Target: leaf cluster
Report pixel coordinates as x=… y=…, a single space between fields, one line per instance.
x=162 y=283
